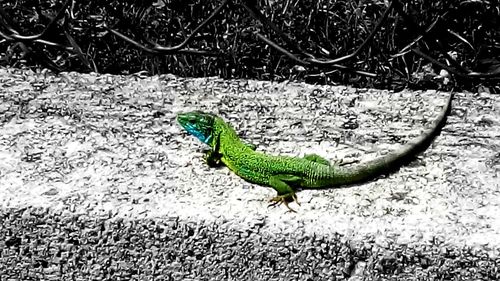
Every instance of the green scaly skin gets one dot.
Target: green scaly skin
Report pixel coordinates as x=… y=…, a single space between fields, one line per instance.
x=287 y=174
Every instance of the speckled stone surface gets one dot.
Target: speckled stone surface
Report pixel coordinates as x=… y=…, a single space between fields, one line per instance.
x=98 y=182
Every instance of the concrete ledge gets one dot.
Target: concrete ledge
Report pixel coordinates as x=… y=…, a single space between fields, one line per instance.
x=39 y=244
x=97 y=181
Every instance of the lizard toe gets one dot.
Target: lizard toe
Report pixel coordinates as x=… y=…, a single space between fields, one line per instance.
x=285 y=199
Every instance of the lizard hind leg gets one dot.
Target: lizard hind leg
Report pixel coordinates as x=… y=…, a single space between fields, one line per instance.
x=316 y=158
x=251 y=146
x=286 y=193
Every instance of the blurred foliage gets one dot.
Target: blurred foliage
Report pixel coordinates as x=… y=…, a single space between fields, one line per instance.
x=327 y=29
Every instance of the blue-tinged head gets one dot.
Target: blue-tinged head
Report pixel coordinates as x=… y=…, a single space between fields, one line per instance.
x=198 y=124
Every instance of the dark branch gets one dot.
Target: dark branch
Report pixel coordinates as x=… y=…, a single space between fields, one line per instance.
x=256 y=14
x=163 y=49
x=15 y=35
x=156 y=51
x=362 y=46
x=159 y=49
x=307 y=62
x=435 y=41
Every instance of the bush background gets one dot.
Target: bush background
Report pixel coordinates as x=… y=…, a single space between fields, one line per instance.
x=327 y=29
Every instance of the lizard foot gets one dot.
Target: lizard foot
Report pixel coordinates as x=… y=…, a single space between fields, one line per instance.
x=343 y=162
x=285 y=199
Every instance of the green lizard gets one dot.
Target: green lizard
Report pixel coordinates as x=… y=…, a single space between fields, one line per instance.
x=287 y=174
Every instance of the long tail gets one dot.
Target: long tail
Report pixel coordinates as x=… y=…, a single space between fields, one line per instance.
x=394 y=160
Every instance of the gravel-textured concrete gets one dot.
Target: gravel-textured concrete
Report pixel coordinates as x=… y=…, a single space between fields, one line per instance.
x=98 y=182
x=38 y=244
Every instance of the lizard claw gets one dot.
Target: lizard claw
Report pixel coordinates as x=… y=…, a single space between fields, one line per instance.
x=294 y=197
x=284 y=199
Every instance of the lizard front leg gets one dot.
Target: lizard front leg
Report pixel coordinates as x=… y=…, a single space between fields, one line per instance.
x=213 y=156
x=251 y=146
x=213 y=159
x=316 y=158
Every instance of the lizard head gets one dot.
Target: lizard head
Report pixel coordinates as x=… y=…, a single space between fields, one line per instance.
x=198 y=124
